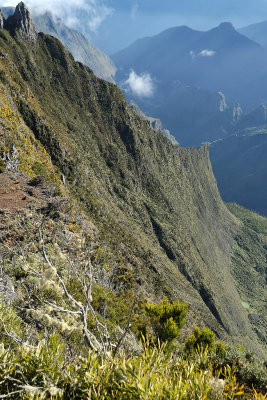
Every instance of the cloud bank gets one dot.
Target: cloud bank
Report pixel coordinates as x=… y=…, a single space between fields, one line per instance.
x=141 y=85
x=96 y=11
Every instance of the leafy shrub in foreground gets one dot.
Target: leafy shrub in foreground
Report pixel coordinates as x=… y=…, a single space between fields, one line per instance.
x=46 y=373
x=167 y=319
x=249 y=370
x=200 y=339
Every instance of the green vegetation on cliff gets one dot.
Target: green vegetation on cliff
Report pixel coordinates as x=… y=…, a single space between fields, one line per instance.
x=78 y=45
x=248 y=266
x=101 y=217
x=155 y=205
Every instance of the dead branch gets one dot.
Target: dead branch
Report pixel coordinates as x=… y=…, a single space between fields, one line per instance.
x=126 y=329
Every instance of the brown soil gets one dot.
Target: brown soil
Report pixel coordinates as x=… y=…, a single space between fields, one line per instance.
x=16 y=193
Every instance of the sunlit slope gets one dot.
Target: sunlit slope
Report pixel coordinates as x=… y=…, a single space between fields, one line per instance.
x=150 y=199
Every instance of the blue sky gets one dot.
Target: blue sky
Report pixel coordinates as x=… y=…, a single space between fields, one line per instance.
x=203 y=10
x=114 y=24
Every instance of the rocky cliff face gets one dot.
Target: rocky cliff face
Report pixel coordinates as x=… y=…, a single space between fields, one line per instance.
x=21 y=24
x=75 y=42
x=1 y=20
x=154 y=204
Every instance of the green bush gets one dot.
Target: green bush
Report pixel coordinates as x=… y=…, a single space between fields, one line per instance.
x=46 y=373
x=167 y=319
x=39 y=168
x=220 y=350
x=3 y=77
x=249 y=370
x=2 y=166
x=200 y=339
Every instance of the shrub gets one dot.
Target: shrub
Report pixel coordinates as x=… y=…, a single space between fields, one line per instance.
x=220 y=350
x=2 y=166
x=249 y=370
x=3 y=77
x=39 y=168
x=166 y=319
x=200 y=339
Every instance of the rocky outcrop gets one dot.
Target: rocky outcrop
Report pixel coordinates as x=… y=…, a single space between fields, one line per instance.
x=1 y=20
x=21 y=24
x=76 y=43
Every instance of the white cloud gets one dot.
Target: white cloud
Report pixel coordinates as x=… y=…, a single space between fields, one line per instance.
x=207 y=53
x=141 y=85
x=96 y=10
x=134 y=10
x=203 y=53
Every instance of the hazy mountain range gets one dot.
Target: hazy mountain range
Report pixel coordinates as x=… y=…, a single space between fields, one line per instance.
x=239 y=164
x=217 y=60
x=256 y=32
x=188 y=78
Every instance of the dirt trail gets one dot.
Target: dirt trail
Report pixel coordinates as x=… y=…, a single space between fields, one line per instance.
x=17 y=193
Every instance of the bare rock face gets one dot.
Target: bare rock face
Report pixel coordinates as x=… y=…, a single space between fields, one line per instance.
x=1 y=20
x=21 y=23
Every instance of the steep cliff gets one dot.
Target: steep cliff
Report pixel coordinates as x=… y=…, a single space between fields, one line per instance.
x=155 y=205
x=75 y=42
x=78 y=45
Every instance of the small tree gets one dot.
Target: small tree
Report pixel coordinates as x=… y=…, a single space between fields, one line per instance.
x=167 y=319
x=200 y=339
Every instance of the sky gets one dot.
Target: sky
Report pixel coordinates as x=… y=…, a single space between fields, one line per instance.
x=114 y=24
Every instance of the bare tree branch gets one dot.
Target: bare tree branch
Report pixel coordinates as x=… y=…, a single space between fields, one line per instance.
x=126 y=329
x=6 y=396
x=61 y=309
x=12 y=335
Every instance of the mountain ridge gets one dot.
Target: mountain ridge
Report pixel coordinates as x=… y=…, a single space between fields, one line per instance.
x=156 y=205
x=75 y=42
x=256 y=32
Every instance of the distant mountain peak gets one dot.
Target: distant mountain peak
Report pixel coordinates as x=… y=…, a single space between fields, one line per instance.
x=22 y=23
x=227 y=26
x=181 y=28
